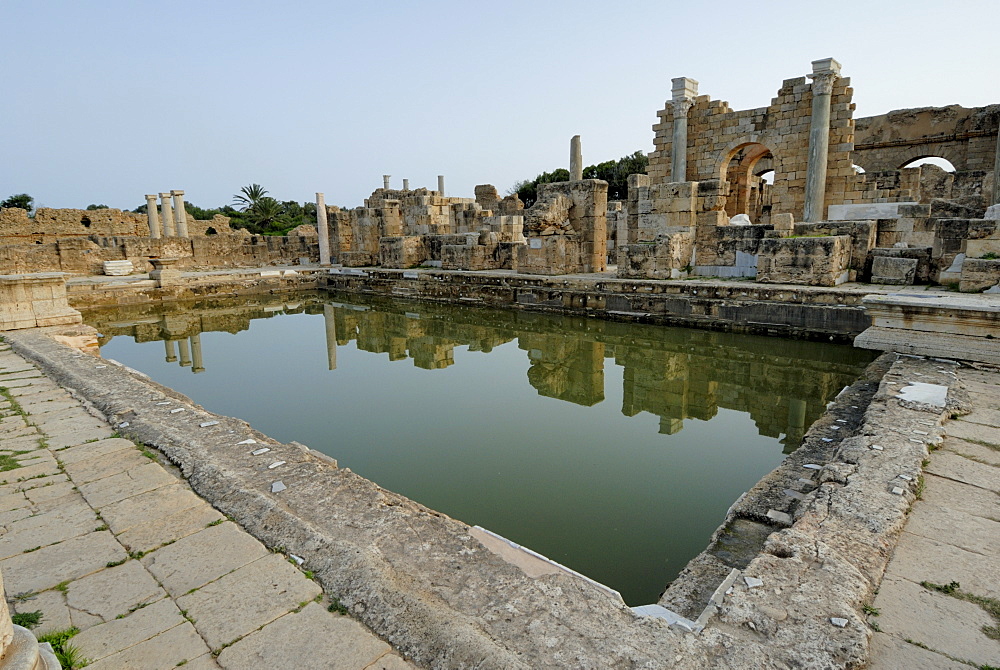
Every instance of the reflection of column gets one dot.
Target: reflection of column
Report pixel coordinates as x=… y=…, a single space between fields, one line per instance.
x=180 y=214
x=185 y=350
x=682 y=95
x=330 y=317
x=825 y=72
x=196 y=353
x=796 y=418
x=441 y=184
x=168 y=346
x=152 y=217
x=324 y=230
x=167 y=215
x=575 y=159
x=385 y=181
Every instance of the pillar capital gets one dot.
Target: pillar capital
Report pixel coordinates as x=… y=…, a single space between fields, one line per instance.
x=683 y=88
x=825 y=72
x=681 y=106
x=164 y=196
x=177 y=193
x=150 y=197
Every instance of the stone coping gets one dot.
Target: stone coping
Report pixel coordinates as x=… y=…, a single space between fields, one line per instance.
x=422 y=581
x=936 y=301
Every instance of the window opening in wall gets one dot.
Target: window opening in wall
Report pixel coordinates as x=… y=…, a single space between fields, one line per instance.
x=942 y=163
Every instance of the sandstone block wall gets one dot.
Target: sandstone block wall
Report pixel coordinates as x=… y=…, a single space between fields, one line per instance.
x=816 y=261
x=575 y=211
x=35 y=300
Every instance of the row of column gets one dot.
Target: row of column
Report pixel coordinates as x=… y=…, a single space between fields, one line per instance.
x=824 y=74
x=406 y=183
x=174 y=218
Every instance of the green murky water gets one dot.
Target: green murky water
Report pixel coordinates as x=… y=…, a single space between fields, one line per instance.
x=613 y=448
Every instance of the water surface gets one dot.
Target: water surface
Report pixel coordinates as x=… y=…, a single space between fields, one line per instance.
x=613 y=448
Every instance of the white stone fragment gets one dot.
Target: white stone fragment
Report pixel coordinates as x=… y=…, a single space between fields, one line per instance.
x=812 y=466
x=826 y=439
x=276 y=464
x=834 y=427
x=897 y=491
x=928 y=394
x=920 y=432
x=165 y=402
x=876 y=447
x=841 y=420
x=916 y=441
x=753 y=582
x=206 y=424
x=100 y=367
x=298 y=559
x=258 y=452
x=178 y=409
x=248 y=441
x=906 y=478
x=278 y=487
x=838 y=622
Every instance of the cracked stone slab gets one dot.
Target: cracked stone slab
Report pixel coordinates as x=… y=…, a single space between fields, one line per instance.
x=924 y=559
x=953 y=466
x=891 y=653
x=13 y=500
x=52 y=605
x=114 y=591
x=123 y=485
x=93 y=450
x=22 y=474
x=50 y=491
x=45 y=529
x=967 y=430
x=57 y=563
x=975 y=452
x=968 y=532
x=942 y=622
x=149 y=506
x=160 y=652
x=73 y=438
x=961 y=497
x=197 y=559
x=119 y=634
x=91 y=470
x=152 y=534
x=327 y=636
x=261 y=592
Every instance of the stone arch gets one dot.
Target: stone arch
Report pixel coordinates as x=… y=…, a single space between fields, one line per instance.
x=909 y=163
x=749 y=193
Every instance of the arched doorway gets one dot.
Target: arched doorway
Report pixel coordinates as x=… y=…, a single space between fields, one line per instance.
x=750 y=173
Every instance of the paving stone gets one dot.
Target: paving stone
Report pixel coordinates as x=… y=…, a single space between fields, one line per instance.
x=967 y=430
x=891 y=653
x=148 y=536
x=30 y=432
x=90 y=470
x=391 y=662
x=261 y=592
x=25 y=443
x=13 y=516
x=123 y=485
x=12 y=423
x=21 y=474
x=161 y=652
x=57 y=563
x=119 y=634
x=975 y=452
x=961 y=497
x=45 y=529
x=73 y=438
x=50 y=491
x=953 y=466
x=26 y=373
x=53 y=411
x=12 y=384
x=60 y=426
x=327 y=636
x=919 y=559
x=206 y=662
x=197 y=559
x=93 y=450
x=114 y=591
x=39 y=392
x=52 y=605
x=942 y=622
x=149 y=506
x=13 y=500
x=982 y=415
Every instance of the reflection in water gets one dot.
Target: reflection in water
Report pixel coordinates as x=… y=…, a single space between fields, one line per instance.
x=571 y=469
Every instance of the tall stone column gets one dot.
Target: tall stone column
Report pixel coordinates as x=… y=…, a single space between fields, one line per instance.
x=330 y=319
x=825 y=72
x=385 y=181
x=196 y=353
x=180 y=214
x=683 y=91
x=152 y=217
x=406 y=184
x=324 y=230
x=441 y=185
x=575 y=159
x=167 y=215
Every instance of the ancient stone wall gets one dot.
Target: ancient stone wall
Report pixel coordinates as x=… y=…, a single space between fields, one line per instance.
x=566 y=229
x=48 y=225
x=779 y=132
x=967 y=137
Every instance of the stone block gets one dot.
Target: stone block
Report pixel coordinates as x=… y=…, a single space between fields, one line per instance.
x=888 y=270
x=816 y=261
x=979 y=274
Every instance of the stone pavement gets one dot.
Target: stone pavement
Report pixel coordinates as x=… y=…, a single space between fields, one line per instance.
x=97 y=535
x=952 y=536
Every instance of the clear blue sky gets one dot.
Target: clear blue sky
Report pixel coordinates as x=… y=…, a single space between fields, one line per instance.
x=107 y=100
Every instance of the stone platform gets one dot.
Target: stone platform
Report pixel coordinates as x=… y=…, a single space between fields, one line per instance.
x=98 y=535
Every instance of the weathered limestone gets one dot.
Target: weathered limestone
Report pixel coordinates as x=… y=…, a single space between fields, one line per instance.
x=167 y=214
x=180 y=214
x=682 y=95
x=324 y=230
x=154 y=220
x=566 y=229
x=946 y=325
x=164 y=273
x=34 y=300
x=575 y=159
x=817 y=261
x=406 y=184
x=441 y=185
x=825 y=72
x=385 y=181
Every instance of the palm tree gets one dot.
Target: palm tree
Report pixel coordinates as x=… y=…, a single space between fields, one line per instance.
x=267 y=212
x=249 y=196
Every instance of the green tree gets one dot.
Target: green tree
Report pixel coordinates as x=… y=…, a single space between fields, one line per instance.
x=91 y=208
x=614 y=172
x=249 y=196
x=21 y=201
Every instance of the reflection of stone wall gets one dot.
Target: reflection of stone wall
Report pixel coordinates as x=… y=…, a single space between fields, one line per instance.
x=565 y=367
